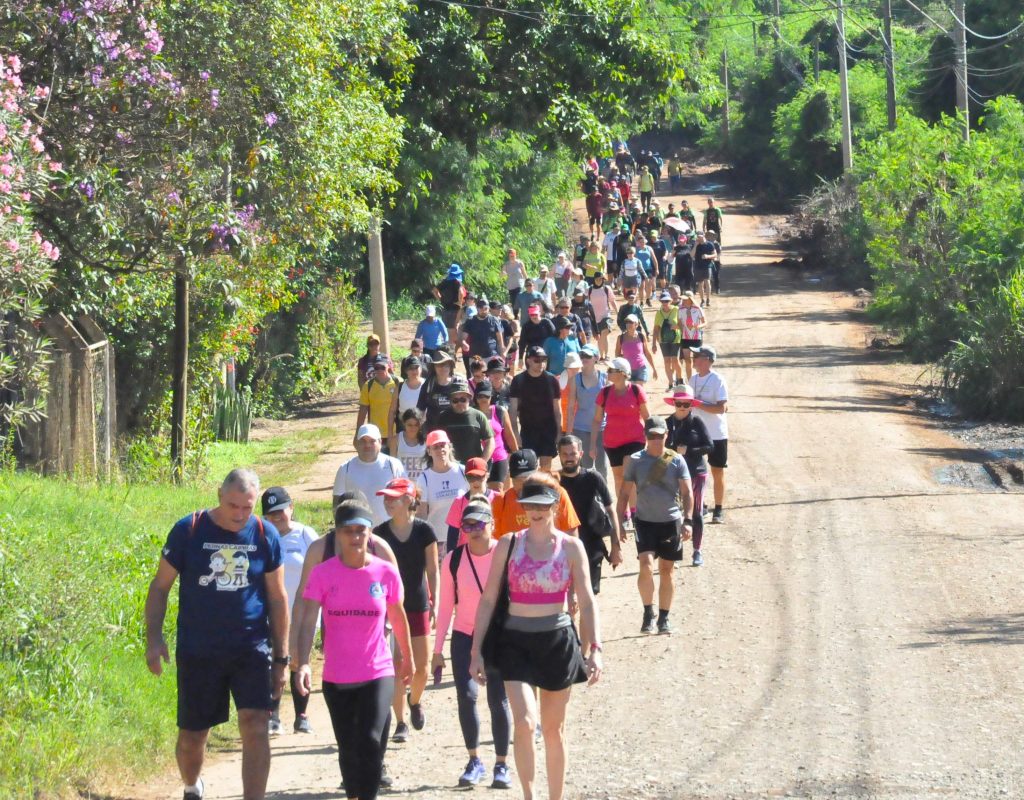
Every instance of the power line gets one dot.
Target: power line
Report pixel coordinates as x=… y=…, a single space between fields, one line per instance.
x=963 y=24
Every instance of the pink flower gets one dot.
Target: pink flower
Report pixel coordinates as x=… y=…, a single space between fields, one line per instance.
x=5 y=187
x=56 y=166
x=37 y=145
x=12 y=245
x=270 y=119
x=6 y=170
x=51 y=251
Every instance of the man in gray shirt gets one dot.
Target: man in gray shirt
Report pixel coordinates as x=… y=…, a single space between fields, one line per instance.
x=657 y=483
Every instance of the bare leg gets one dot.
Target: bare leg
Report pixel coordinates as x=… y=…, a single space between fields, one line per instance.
x=190 y=752
x=645 y=579
x=545 y=463
x=252 y=725
x=666 y=588
x=718 y=475
x=398 y=699
x=419 y=675
x=524 y=721
x=552 y=722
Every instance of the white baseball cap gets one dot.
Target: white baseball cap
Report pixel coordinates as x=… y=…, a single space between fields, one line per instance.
x=368 y=429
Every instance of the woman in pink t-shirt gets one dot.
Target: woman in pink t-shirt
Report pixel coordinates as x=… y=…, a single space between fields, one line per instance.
x=624 y=407
x=463 y=576
x=356 y=592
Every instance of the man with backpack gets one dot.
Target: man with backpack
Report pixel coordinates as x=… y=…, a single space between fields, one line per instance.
x=589 y=494
x=452 y=294
x=463 y=577
x=232 y=628
x=660 y=483
x=376 y=396
x=367 y=471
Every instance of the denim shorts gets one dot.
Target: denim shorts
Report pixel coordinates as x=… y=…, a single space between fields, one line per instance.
x=639 y=374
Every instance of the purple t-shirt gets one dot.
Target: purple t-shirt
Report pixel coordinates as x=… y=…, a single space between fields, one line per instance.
x=355 y=603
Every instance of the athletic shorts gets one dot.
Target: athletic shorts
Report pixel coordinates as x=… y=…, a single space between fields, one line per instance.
x=719 y=455
x=595 y=219
x=549 y=660
x=661 y=538
x=702 y=275
x=540 y=440
x=670 y=349
x=630 y=282
x=686 y=345
x=604 y=325
x=207 y=682
x=419 y=622
x=449 y=316
x=618 y=455
x=499 y=472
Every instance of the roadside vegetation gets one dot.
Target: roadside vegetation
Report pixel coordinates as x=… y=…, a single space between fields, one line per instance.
x=75 y=564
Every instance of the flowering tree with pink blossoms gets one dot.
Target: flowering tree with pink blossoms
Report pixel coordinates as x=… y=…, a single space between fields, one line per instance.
x=26 y=257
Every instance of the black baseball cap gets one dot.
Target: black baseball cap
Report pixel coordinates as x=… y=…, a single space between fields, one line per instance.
x=458 y=385
x=655 y=425
x=496 y=364
x=561 y=323
x=477 y=511
x=381 y=361
x=522 y=462
x=275 y=499
x=484 y=389
x=538 y=494
x=410 y=361
x=536 y=351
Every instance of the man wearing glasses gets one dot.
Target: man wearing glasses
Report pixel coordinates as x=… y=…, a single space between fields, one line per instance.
x=469 y=430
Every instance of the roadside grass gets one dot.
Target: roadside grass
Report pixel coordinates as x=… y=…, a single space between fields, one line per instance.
x=78 y=708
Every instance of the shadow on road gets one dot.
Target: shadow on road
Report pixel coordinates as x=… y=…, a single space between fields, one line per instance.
x=1006 y=629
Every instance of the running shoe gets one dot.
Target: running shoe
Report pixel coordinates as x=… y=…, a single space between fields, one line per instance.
x=302 y=724
x=274 y=726
x=664 y=626
x=698 y=559
x=474 y=773
x=648 y=624
x=386 y=781
x=717 y=518
x=416 y=716
x=502 y=776
x=401 y=734
x=195 y=792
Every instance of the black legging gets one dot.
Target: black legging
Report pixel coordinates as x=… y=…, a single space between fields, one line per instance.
x=467 y=690
x=299 y=700
x=360 y=716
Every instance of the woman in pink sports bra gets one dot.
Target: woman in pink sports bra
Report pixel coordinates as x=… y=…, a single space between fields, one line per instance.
x=538 y=647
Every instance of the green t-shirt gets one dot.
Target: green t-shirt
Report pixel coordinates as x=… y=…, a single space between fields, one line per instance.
x=666 y=325
x=467 y=431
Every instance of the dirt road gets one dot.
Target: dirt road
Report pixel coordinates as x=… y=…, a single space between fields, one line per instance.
x=852 y=632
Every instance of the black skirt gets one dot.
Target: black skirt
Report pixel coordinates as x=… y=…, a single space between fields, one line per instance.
x=550 y=660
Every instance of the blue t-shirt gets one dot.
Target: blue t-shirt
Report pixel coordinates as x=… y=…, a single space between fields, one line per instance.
x=644 y=257
x=222 y=595
x=432 y=332
x=557 y=350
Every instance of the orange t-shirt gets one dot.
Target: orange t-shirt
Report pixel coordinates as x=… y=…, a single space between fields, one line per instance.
x=510 y=516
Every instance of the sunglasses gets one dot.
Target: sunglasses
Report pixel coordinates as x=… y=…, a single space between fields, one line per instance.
x=683 y=405
x=472 y=526
x=460 y=400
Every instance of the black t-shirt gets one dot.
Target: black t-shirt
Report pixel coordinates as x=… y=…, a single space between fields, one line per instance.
x=450 y=290
x=412 y=561
x=536 y=397
x=508 y=330
x=467 y=432
x=584 y=312
x=691 y=433
x=531 y=332
x=700 y=264
x=434 y=399
x=684 y=260
x=483 y=335
x=586 y=489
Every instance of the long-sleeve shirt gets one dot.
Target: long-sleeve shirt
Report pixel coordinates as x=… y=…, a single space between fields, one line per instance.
x=433 y=333
x=469 y=594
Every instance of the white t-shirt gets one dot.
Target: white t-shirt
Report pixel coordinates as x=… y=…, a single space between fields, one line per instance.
x=412 y=457
x=599 y=300
x=367 y=477
x=408 y=397
x=546 y=287
x=690 y=320
x=609 y=244
x=439 y=490
x=562 y=269
x=711 y=389
x=513 y=274
x=631 y=267
x=294 y=545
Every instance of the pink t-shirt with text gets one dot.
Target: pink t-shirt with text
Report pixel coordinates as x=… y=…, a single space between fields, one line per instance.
x=354 y=604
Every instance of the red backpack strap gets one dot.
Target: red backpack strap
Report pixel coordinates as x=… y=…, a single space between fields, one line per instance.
x=259 y=525
x=196 y=516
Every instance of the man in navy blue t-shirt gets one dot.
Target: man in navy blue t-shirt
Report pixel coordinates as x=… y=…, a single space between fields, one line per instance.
x=232 y=628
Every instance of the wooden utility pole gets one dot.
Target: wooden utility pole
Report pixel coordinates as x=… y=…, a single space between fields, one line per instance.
x=179 y=385
x=725 y=94
x=753 y=27
x=960 y=45
x=817 y=60
x=378 y=290
x=844 y=90
x=890 y=66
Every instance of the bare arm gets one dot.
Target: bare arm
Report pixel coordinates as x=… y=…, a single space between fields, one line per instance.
x=156 y=610
x=314 y=555
x=686 y=493
x=511 y=440
x=432 y=575
x=400 y=630
x=625 y=498
x=277 y=607
x=590 y=628
x=557 y=405
x=513 y=416
x=489 y=599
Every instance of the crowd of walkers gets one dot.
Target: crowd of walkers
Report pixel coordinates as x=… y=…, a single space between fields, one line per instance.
x=452 y=521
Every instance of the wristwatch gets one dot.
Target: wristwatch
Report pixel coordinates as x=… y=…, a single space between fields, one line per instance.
x=282 y=661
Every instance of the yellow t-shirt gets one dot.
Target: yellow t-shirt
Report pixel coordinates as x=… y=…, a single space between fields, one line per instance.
x=377 y=396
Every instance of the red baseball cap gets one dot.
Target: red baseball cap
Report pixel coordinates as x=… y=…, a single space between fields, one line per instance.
x=437 y=437
x=398 y=487
x=476 y=466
